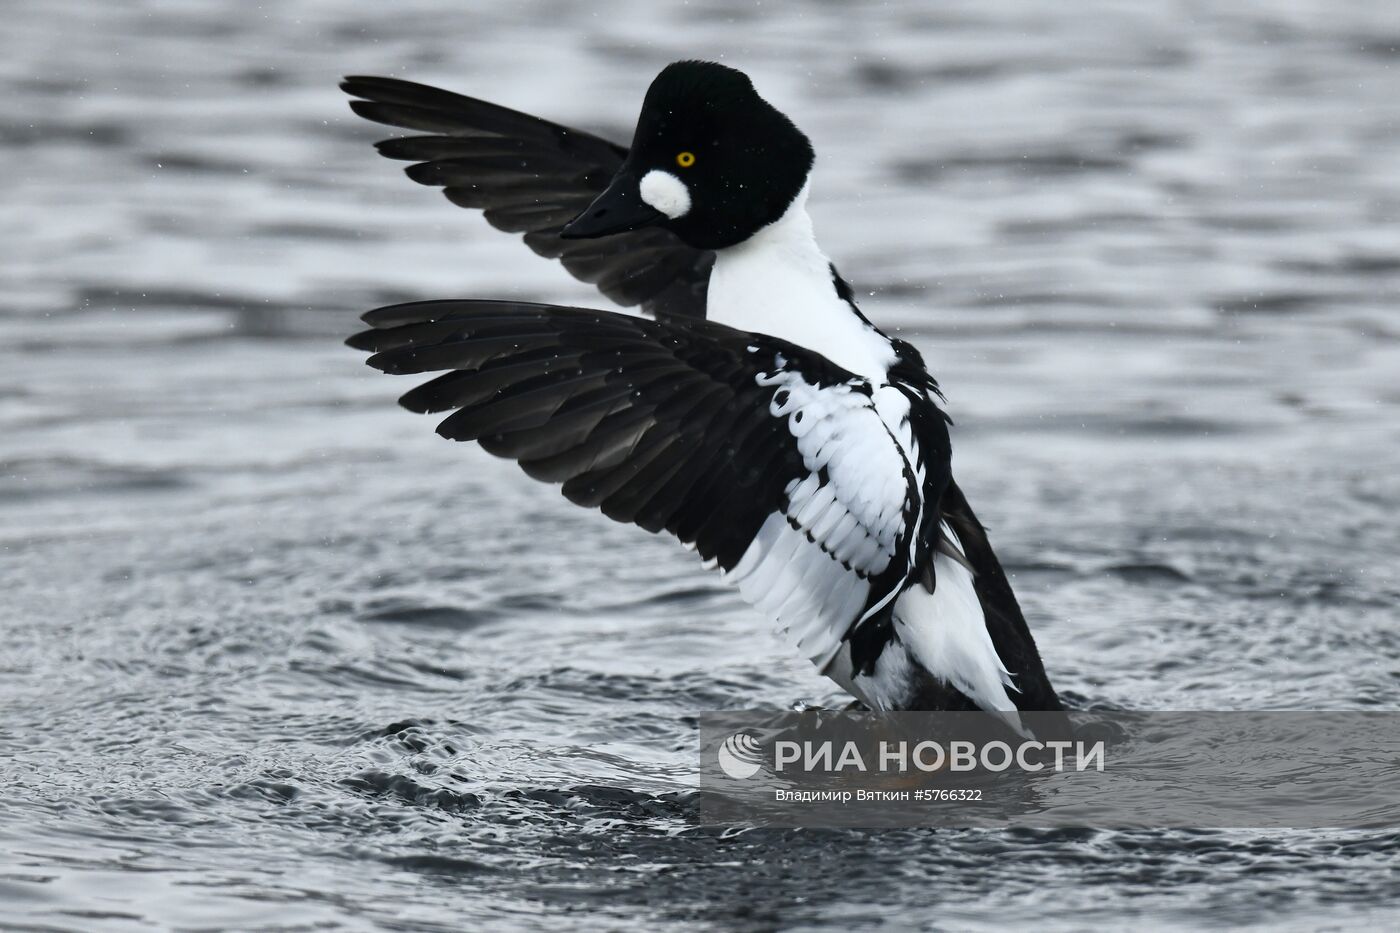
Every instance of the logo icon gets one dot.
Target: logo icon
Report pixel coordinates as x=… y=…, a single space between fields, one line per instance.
x=740 y=756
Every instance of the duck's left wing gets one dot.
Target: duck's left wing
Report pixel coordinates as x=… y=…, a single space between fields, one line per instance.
x=531 y=176
x=769 y=460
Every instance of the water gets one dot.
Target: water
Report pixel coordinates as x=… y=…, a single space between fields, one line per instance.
x=276 y=656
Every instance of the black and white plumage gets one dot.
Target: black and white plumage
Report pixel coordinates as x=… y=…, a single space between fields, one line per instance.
x=784 y=437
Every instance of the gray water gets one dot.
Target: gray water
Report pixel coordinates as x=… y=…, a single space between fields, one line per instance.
x=273 y=655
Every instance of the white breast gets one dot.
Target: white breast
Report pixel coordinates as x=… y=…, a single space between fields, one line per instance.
x=778 y=282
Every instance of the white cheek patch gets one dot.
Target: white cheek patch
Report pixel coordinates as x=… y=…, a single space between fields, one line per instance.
x=665 y=192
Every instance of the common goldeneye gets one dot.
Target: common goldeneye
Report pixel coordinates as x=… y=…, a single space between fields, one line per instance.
x=760 y=417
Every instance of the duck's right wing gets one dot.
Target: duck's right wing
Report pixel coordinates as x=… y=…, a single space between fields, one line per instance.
x=531 y=176
x=768 y=459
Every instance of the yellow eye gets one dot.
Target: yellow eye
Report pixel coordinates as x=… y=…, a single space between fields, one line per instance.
x=685 y=159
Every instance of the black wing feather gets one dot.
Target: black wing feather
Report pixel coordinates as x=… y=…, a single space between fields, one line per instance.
x=531 y=176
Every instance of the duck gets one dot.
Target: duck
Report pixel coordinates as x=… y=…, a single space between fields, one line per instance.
x=751 y=411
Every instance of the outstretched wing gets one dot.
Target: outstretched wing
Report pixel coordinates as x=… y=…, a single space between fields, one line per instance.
x=531 y=176
x=768 y=459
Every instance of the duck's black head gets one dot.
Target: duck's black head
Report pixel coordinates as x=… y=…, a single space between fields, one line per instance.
x=711 y=161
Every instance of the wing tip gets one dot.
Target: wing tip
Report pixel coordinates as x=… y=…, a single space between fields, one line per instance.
x=366 y=86
x=398 y=361
x=385 y=320
x=425 y=173
x=405 y=312
x=398 y=147
x=364 y=340
x=373 y=110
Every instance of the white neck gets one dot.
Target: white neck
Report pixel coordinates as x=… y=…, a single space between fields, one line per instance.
x=778 y=282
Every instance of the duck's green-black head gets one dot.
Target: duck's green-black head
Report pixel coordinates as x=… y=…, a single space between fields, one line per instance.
x=710 y=160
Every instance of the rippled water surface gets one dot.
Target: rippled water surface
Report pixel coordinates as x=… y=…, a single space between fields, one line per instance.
x=276 y=656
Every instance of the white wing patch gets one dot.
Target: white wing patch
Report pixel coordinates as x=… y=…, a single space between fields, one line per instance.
x=801 y=587
x=811 y=564
x=838 y=431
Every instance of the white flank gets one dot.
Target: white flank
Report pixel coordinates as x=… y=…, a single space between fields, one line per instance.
x=947 y=633
x=665 y=192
